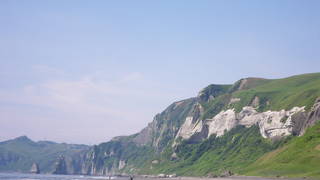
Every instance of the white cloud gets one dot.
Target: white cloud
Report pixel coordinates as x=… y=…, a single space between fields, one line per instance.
x=96 y=104
x=85 y=95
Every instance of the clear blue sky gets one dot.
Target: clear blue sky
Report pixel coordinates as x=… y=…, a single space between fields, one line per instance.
x=85 y=71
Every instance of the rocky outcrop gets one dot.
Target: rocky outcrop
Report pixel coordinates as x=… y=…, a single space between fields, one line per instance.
x=246 y=83
x=35 y=169
x=60 y=166
x=255 y=102
x=122 y=164
x=165 y=125
x=212 y=91
x=145 y=136
x=310 y=118
x=272 y=124
x=192 y=124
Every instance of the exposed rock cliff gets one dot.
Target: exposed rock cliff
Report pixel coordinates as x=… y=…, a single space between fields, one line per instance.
x=35 y=169
x=216 y=111
x=60 y=166
x=272 y=124
x=165 y=125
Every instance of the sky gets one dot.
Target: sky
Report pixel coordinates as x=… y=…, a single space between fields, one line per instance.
x=85 y=71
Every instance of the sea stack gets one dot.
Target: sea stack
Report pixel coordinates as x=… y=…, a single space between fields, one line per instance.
x=35 y=169
x=60 y=166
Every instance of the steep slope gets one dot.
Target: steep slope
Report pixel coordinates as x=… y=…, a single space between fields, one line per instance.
x=19 y=154
x=130 y=153
x=300 y=157
x=116 y=156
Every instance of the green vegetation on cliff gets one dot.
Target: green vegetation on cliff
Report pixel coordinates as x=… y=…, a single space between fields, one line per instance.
x=236 y=149
x=275 y=94
x=300 y=157
x=108 y=155
x=300 y=90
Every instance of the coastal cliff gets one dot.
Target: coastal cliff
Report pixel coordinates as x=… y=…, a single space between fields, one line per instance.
x=225 y=128
x=220 y=118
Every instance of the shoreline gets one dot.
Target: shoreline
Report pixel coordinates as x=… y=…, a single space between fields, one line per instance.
x=105 y=177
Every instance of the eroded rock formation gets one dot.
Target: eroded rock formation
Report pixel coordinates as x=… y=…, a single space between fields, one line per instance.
x=35 y=169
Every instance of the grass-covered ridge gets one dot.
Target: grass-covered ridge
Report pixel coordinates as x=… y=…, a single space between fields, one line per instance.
x=273 y=94
x=300 y=157
x=301 y=90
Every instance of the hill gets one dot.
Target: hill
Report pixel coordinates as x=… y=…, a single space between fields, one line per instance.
x=20 y=153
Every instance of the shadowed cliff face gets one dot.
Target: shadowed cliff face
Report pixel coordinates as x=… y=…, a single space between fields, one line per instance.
x=165 y=125
x=133 y=151
x=60 y=166
x=304 y=120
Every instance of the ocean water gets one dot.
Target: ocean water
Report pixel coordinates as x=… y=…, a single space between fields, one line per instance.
x=18 y=176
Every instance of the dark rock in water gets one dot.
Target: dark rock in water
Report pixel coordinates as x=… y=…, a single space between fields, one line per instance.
x=35 y=168
x=60 y=166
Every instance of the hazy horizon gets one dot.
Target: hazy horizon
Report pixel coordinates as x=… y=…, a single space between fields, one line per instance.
x=80 y=72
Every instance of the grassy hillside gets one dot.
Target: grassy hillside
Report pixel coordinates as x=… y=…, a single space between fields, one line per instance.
x=301 y=90
x=300 y=157
x=275 y=94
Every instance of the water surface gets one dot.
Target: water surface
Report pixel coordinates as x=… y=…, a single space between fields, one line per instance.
x=19 y=176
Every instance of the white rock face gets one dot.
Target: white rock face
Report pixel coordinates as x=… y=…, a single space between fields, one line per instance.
x=155 y=161
x=234 y=100
x=224 y=121
x=271 y=123
x=122 y=164
x=189 y=128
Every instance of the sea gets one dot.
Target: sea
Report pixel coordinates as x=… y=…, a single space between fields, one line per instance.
x=19 y=176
